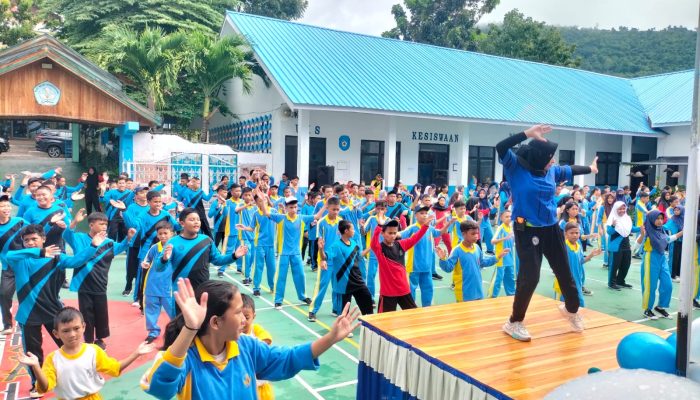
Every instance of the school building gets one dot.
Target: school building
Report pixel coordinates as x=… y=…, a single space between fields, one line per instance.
x=363 y=105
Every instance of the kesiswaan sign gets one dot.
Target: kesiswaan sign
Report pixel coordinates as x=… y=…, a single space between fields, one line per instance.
x=436 y=137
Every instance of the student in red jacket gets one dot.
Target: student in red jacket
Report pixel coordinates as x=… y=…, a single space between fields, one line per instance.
x=393 y=282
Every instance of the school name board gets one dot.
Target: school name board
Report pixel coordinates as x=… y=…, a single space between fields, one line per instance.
x=436 y=137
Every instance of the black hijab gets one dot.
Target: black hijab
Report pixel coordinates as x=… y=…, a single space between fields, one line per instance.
x=535 y=155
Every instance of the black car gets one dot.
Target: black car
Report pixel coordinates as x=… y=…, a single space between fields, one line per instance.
x=4 y=144
x=55 y=142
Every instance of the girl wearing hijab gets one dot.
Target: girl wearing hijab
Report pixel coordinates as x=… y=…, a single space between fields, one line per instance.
x=504 y=197
x=92 y=191
x=485 y=209
x=603 y=215
x=534 y=174
x=675 y=225
x=664 y=200
x=655 y=241
x=619 y=227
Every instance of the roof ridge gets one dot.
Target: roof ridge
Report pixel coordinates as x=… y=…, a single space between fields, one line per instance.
x=408 y=42
x=662 y=74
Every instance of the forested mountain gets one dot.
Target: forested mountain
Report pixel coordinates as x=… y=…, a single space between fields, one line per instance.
x=630 y=52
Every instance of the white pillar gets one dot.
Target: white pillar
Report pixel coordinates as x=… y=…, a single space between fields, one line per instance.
x=580 y=156
x=622 y=178
x=390 y=155
x=464 y=156
x=277 y=144
x=498 y=170
x=303 y=129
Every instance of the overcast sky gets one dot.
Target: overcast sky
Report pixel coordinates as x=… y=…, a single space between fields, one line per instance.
x=374 y=16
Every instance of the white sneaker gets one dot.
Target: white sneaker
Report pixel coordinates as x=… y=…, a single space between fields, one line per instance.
x=517 y=331
x=135 y=304
x=33 y=394
x=574 y=319
x=7 y=331
x=677 y=279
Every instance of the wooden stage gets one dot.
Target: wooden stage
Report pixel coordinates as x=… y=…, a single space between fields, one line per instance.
x=468 y=337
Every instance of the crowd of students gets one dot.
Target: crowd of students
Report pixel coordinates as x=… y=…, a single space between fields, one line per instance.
x=349 y=234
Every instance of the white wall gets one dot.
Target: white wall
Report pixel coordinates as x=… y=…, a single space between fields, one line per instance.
x=675 y=144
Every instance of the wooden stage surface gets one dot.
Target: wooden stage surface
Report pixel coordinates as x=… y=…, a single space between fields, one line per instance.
x=468 y=337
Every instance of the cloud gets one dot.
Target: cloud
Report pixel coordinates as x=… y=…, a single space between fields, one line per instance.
x=374 y=16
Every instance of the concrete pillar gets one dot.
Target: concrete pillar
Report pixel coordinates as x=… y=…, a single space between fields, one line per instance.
x=303 y=131
x=498 y=170
x=580 y=156
x=277 y=144
x=622 y=178
x=75 y=129
x=126 y=133
x=390 y=155
x=464 y=156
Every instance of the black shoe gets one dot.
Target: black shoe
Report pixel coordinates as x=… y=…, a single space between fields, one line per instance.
x=220 y=275
x=664 y=313
x=312 y=317
x=65 y=284
x=696 y=305
x=101 y=344
x=625 y=285
x=307 y=301
x=278 y=306
x=637 y=257
x=308 y=262
x=614 y=287
x=437 y=277
x=247 y=281
x=649 y=314
x=256 y=293
x=586 y=291
x=314 y=269
x=151 y=339
x=126 y=292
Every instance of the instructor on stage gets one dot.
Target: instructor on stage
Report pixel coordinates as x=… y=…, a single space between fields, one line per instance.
x=533 y=177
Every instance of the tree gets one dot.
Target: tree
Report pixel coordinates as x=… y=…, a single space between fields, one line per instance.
x=211 y=62
x=18 y=18
x=447 y=23
x=282 y=9
x=148 y=59
x=84 y=21
x=526 y=39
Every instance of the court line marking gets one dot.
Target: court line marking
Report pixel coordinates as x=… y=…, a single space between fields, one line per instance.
x=308 y=387
x=286 y=314
x=336 y=385
x=660 y=318
x=634 y=288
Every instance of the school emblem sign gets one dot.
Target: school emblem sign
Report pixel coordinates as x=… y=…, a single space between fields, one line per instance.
x=47 y=94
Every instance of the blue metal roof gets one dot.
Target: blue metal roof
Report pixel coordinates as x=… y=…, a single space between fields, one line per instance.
x=667 y=98
x=324 y=68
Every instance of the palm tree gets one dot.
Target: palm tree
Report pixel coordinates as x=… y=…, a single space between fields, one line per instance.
x=150 y=58
x=213 y=61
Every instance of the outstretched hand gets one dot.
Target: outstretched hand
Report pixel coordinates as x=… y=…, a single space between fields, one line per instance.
x=537 y=132
x=192 y=311
x=345 y=323
x=594 y=166
x=144 y=348
x=29 y=360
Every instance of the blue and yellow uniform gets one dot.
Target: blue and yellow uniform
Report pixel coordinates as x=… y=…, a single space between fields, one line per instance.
x=147 y=229
x=158 y=289
x=420 y=260
x=640 y=213
x=602 y=223
x=455 y=240
x=232 y=236
x=505 y=267
x=470 y=260
x=655 y=271
x=576 y=262
x=198 y=376
x=289 y=239
x=191 y=258
x=328 y=230
x=372 y=263
x=310 y=231
x=247 y=237
x=216 y=212
x=264 y=239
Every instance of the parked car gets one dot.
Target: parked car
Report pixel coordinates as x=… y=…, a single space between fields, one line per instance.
x=4 y=144
x=55 y=142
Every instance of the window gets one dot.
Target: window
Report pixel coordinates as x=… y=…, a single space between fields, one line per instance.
x=317 y=158
x=290 y=155
x=433 y=162
x=608 y=168
x=372 y=160
x=567 y=157
x=670 y=179
x=481 y=163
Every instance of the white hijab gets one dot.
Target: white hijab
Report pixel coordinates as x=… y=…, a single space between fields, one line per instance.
x=623 y=224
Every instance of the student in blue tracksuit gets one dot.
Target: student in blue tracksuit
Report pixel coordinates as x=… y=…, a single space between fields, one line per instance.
x=534 y=177
x=10 y=239
x=232 y=217
x=180 y=187
x=63 y=192
x=158 y=287
x=246 y=212
x=326 y=230
x=36 y=270
x=46 y=212
x=132 y=215
x=504 y=273
x=193 y=251
x=264 y=231
x=193 y=197
x=90 y=280
x=209 y=327
x=307 y=247
x=370 y=226
x=655 y=272
x=115 y=201
x=345 y=256
x=420 y=259
x=574 y=251
x=485 y=209
x=603 y=214
x=308 y=209
x=470 y=259
x=216 y=212
x=675 y=219
x=289 y=241
x=619 y=228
